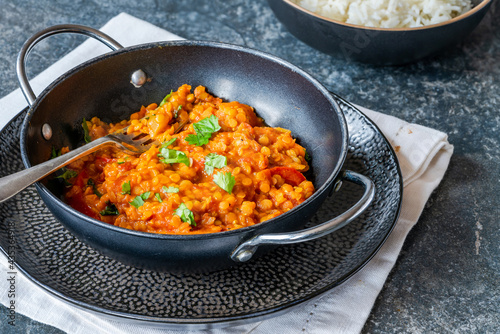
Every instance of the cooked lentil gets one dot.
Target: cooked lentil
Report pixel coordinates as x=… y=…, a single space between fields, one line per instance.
x=254 y=172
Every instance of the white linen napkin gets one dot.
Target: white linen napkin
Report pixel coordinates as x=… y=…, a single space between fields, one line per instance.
x=423 y=153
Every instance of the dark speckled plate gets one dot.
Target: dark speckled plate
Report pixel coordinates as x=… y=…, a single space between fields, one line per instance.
x=55 y=260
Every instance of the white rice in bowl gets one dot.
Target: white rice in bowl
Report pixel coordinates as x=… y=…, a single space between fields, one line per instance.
x=388 y=13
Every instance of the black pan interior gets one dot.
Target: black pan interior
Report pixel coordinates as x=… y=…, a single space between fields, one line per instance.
x=280 y=93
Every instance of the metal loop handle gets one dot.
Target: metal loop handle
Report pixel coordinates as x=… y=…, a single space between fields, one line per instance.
x=246 y=250
x=58 y=29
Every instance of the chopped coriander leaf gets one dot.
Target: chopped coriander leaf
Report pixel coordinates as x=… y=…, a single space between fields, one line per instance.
x=91 y=183
x=122 y=162
x=307 y=156
x=86 y=135
x=195 y=140
x=170 y=189
x=204 y=130
x=168 y=143
x=110 y=210
x=225 y=180
x=54 y=153
x=214 y=160
x=173 y=156
x=139 y=200
x=68 y=174
x=165 y=100
x=126 y=188
x=176 y=111
x=158 y=197
x=185 y=214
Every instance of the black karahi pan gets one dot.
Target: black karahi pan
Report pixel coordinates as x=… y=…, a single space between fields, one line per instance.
x=282 y=94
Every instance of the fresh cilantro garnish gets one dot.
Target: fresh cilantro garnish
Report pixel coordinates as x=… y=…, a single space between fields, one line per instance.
x=214 y=160
x=139 y=200
x=176 y=111
x=54 y=153
x=86 y=134
x=109 y=210
x=185 y=214
x=170 y=189
x=91 y=183
x=158 y=197
x=68 y=174
x=122 y=162
x=173 y=156
x=165 y=100
x=307 y=156
x=126 y=188
x=168 y=143
x=204 y=130
x=225 y=180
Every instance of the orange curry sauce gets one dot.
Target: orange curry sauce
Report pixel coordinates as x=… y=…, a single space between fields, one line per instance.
x=233 y=173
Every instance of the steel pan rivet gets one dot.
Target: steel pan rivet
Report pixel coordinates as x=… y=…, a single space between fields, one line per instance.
x=138 y=78
x=244 y=256
x=46 y=131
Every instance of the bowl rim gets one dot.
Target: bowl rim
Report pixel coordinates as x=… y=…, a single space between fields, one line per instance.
x=325 y=187
x=472 y=11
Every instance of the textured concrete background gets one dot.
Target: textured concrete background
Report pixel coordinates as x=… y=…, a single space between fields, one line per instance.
x=447 y=277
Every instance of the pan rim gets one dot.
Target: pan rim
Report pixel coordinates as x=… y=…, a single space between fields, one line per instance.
x=325 y=187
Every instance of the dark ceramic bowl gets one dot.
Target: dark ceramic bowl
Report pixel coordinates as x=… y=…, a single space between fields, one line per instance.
x=380 y=46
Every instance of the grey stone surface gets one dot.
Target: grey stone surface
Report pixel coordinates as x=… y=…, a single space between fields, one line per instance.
x=446 y=279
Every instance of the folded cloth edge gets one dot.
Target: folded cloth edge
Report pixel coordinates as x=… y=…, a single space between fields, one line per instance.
x=414 y=145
